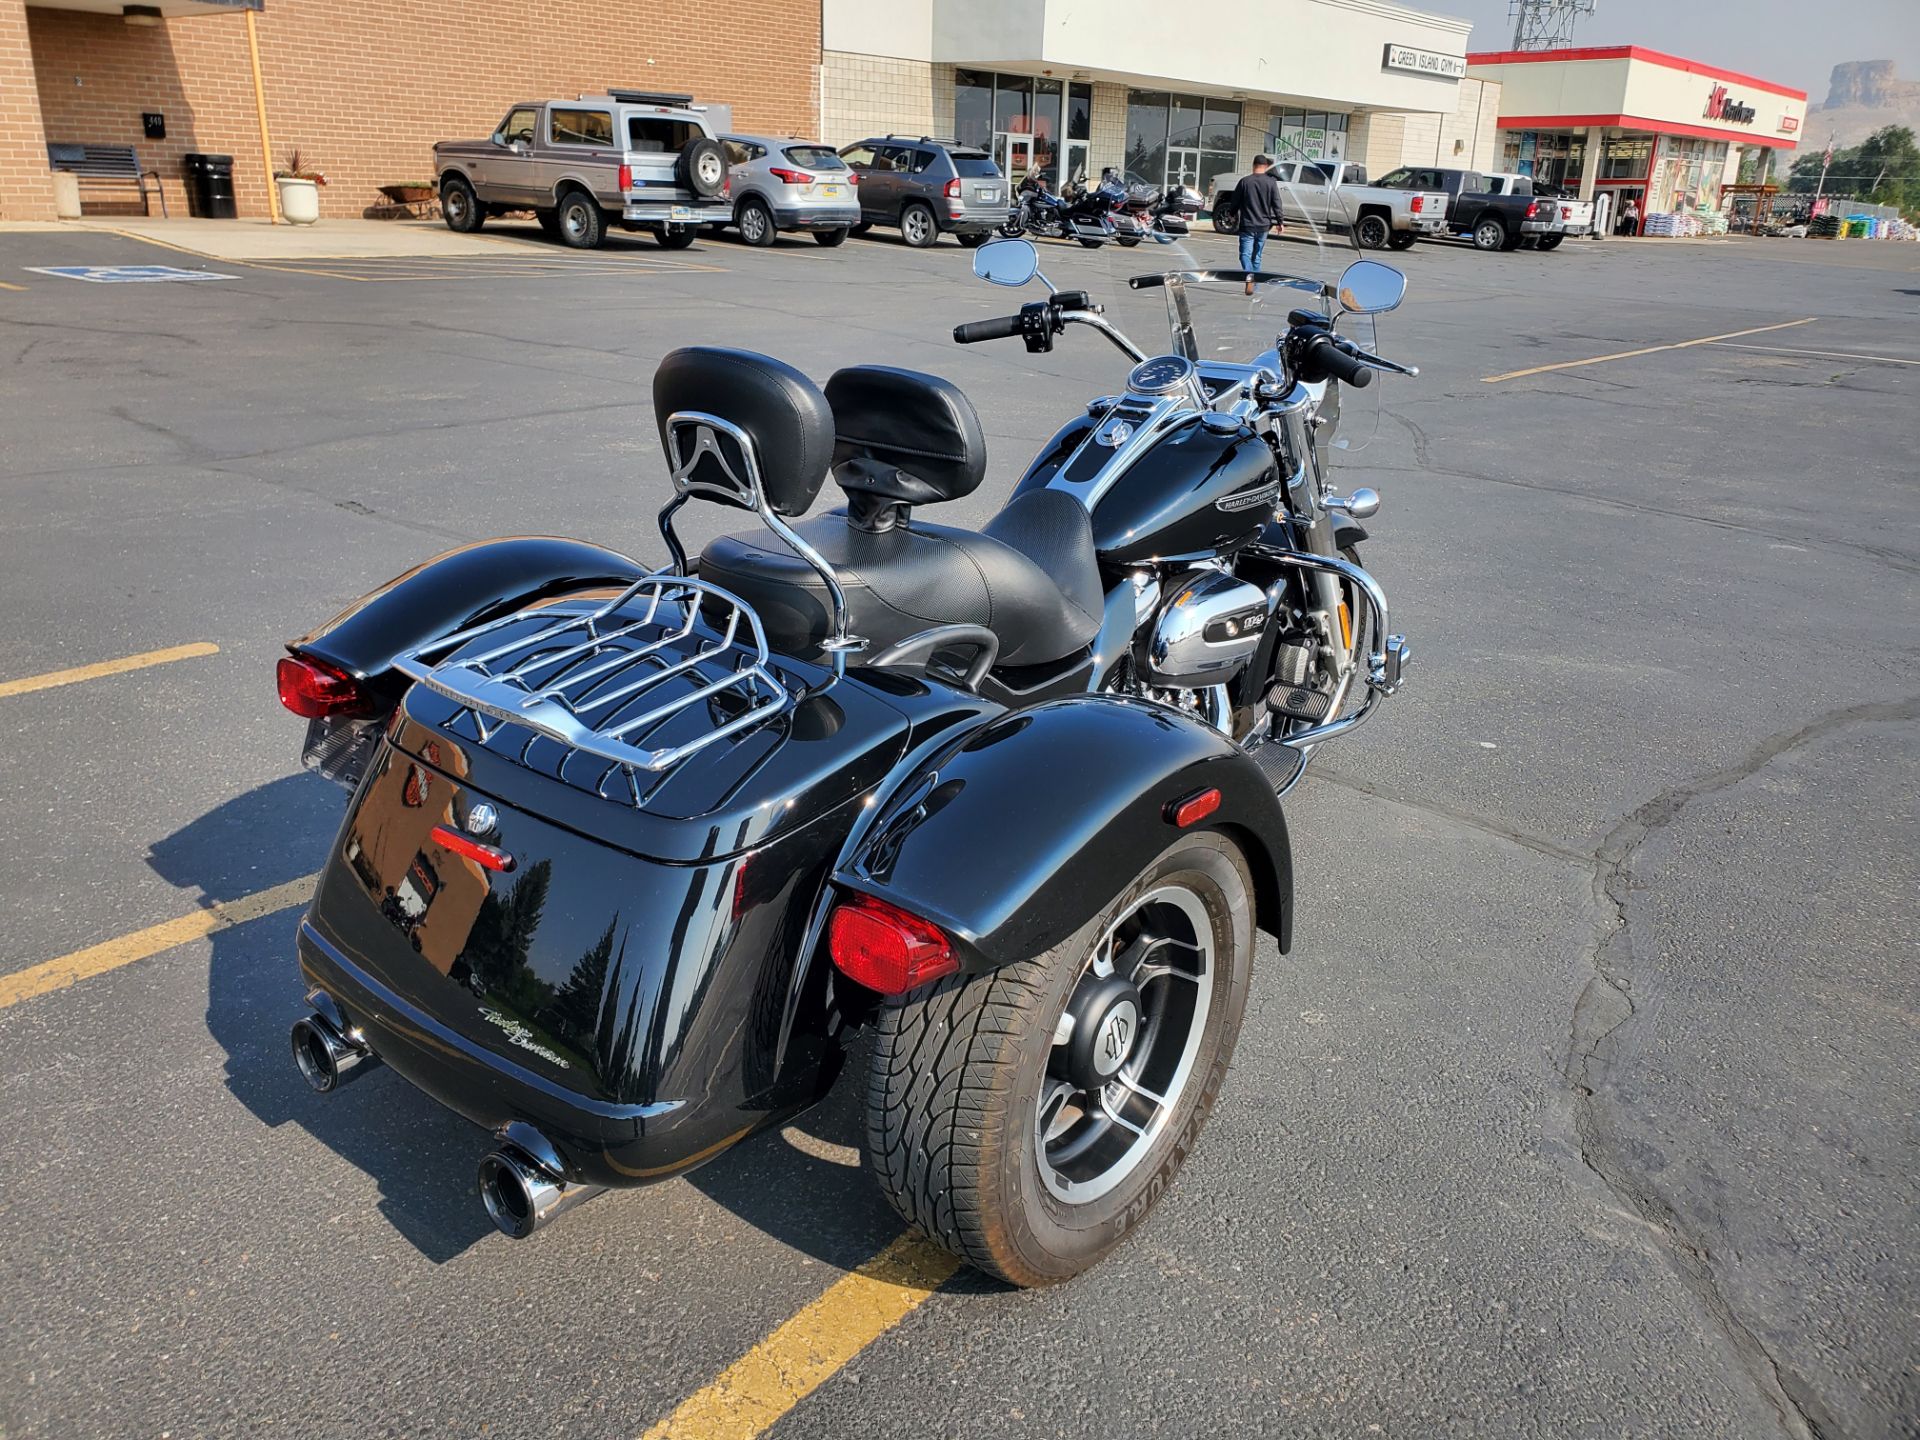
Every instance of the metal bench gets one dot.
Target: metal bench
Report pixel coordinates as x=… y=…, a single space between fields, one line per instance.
x=109 y=165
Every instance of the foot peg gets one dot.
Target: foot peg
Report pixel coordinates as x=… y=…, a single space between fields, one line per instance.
x=1296 y=702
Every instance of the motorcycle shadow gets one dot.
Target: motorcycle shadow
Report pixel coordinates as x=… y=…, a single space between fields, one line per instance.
x=806 y=1183
x=422 y=1155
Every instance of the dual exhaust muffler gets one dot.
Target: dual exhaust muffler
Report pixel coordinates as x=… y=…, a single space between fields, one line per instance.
x=523 y=1182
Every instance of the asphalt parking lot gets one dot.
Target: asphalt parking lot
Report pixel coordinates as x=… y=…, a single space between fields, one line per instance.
x=1584 y=1105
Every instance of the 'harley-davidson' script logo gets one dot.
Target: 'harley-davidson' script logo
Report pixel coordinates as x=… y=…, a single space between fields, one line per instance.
x=520 y=1035
x=1247 y=500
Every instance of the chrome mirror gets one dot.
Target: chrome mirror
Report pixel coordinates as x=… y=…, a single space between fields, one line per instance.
x=1006 y=262
x=1370 y=288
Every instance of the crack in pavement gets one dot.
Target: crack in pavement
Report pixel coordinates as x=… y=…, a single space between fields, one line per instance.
x=1606 y=1007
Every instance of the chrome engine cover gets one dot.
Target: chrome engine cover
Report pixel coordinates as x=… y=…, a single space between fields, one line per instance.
x=1207 y=629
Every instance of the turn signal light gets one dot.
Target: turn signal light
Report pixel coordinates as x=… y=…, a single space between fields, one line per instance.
x=884 y=948
x=1193 y=809
x=488 y=857
x=626 y=178
x=953 y=189
x=315 y=690
x=790 y=177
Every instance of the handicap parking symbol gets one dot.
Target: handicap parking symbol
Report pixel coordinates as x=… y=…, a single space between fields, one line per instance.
x=127 y=274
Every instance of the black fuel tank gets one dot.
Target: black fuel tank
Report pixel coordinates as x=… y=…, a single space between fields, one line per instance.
x=1197 y=491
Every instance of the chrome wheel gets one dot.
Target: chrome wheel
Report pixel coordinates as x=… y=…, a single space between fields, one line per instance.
x=1124 y=1047
x=710 y=166
x=574 y=223
x=917 y=226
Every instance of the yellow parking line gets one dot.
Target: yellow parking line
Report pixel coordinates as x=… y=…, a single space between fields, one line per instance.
x=752 y=1394
x=4 y=285
x=106 y=667
x=1649 y=350
x=58 y=974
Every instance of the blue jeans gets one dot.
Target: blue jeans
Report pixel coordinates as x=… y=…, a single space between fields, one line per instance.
x=1252 y=247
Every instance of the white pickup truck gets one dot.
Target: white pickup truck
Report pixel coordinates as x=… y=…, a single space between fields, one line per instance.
x=1335 y=195
x=1570 y=216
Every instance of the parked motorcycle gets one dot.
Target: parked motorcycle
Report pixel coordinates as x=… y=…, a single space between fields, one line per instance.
x=634 y=851
x=1170 y=211
x=1075 y=214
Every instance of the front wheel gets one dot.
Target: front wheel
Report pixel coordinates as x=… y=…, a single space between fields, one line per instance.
x=460 y=207
x=1013 y=229
x=673 y=239
x=756 y=223
x=1029 y=1118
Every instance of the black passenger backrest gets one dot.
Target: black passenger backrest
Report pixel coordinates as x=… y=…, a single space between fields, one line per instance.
x=785 y=419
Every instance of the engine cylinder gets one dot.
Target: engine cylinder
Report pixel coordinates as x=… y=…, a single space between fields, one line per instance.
x=1207 y=630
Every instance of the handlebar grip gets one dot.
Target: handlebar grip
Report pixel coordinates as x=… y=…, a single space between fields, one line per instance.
x=1001 y=327
x=1330 y=357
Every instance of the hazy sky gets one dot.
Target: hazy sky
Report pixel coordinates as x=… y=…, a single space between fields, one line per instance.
x=1793 y=42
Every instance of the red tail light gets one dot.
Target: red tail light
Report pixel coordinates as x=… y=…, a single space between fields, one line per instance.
x=488 y=857
x=853 y=177
x=1533 y=208
x=953 y=189
x=626 y=178
x=1566 y=212
x=790 y=177
x=1419 y=204
x=315 y=690
x=884 y=948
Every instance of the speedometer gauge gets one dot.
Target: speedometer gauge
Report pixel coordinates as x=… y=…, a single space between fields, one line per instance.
x=1161 y=375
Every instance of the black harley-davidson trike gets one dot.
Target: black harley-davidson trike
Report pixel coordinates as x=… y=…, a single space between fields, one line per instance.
x=633 y=852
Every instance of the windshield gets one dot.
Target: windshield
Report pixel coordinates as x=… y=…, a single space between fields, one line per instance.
x=1209 y=313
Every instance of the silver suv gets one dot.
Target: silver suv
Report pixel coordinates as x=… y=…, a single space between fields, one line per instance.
x=637 y=159
x=789 y=185
x=926 y=186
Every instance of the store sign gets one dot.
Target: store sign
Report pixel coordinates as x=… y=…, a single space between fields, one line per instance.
x=1722 y=106
x=1424 y=62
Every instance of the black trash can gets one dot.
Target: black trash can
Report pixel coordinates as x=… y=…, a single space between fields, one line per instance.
x=209 y=180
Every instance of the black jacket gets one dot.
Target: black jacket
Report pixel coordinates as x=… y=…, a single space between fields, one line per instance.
x=1258 y=197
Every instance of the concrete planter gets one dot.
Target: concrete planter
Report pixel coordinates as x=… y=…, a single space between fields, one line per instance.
x=299 y=200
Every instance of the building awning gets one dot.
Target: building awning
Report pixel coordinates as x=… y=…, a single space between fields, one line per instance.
x=150 y=10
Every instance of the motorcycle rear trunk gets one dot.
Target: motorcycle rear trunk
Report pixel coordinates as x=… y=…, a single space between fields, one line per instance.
x=642 y=985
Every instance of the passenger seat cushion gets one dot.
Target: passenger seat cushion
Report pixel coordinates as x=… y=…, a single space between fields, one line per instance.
x=900 y=435
x=1055 y=531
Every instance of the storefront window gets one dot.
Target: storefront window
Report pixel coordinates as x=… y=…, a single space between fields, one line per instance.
x=1626 y=157
x=1146 y=158
x=1307 y=135
x=1179 y=139
x=973 y=108
x=1080 y=112
x=1013 y=105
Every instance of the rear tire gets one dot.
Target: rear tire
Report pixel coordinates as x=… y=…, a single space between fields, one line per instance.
x=1372 y=232
x=1090 y=244
x=830 y=238
x=1550 y=242
x=460 y=207
x=1226 y=218
x=1127 y=242
x=969 y=1129
x=583 y=224
x=549 y=223
x=1490 y=235
x=918 y=227
x=756 y=223
x=860 y=227
x=971 y=242
x=1402 y=240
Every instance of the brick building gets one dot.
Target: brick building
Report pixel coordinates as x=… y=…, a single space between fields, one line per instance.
x=363 y=89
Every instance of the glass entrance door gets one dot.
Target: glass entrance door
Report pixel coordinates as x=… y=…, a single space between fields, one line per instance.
x=1075 y=169
x=1183 y=166
x=1014 y=155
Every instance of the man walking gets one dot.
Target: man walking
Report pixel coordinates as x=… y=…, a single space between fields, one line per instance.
x=1257 y=198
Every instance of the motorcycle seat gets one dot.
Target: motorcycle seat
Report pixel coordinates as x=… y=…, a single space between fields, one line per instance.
x=903 y=439
x=1030 y=577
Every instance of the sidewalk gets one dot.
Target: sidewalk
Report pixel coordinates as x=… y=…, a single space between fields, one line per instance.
x=260 y=240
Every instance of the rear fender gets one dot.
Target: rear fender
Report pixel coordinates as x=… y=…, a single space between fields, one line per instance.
x=462 y=587
x=1016 y=836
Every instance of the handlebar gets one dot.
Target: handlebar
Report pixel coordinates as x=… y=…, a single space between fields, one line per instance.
x=1324 y=353
x=1001 y=327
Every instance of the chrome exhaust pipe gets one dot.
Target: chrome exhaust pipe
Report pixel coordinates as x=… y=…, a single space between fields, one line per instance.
x=327 y=1055
x=522 y=1195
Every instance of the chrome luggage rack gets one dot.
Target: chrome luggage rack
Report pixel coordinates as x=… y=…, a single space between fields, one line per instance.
x=578 y=677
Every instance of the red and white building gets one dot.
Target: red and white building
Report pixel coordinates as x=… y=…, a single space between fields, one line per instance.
x=1661 y=131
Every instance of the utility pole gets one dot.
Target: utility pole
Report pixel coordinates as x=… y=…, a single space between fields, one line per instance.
x=1826 y=162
